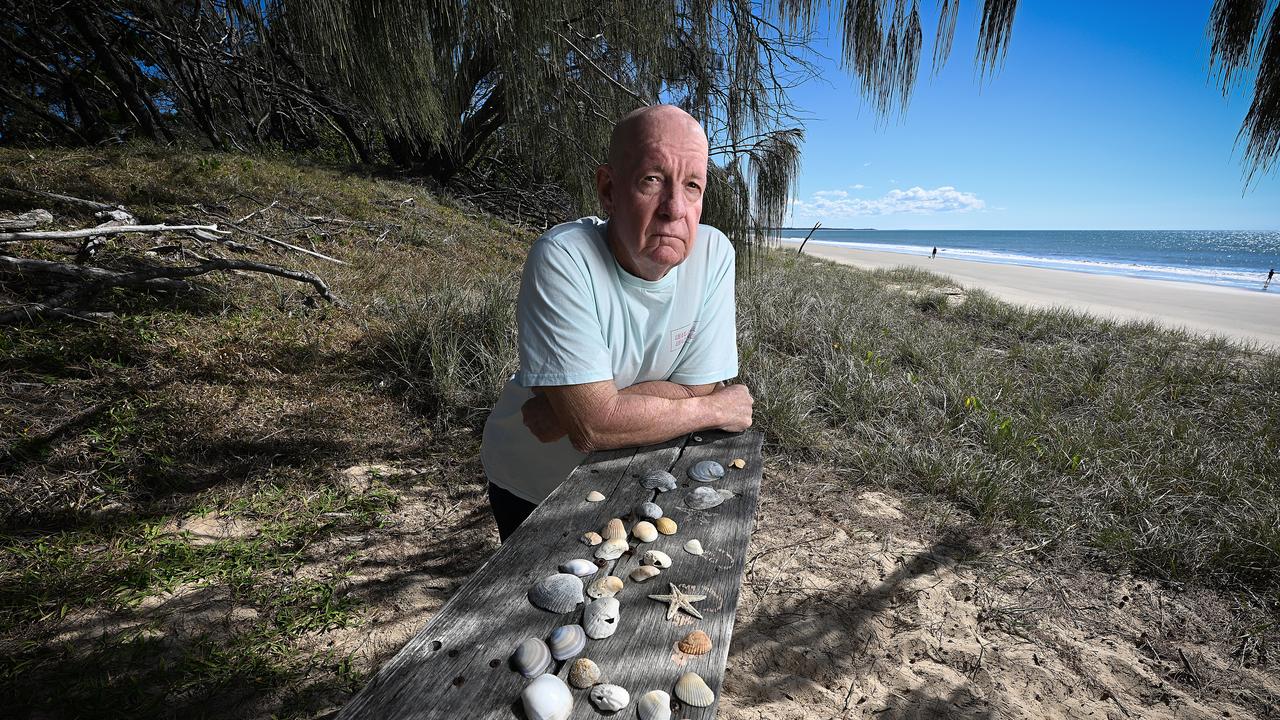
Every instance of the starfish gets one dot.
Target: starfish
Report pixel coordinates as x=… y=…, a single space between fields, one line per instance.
x=679 y=600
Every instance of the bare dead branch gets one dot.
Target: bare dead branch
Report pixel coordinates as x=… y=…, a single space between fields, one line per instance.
x=11 y=237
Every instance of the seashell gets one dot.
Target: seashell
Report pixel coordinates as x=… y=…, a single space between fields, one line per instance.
x=591 y=538
x=557 y=593
x=693 y=547
x=644 y=572
x=532 y=657
x=691 y=689
x=659 y=480
x=654 y=705
x=706 y=471
x=607 y=586
x=703 y=497
x=595 y=496
x=547 y=698
x=666 y=525
x=738 y=463
x=580 y=567
x=600 y=617
x=656 y=558
x=695 y=643
x=648 y=511
x=584 y=673
x=609 y=698
x=644 y=531
x=567 y=641
x=612 y=549
x=614 y=530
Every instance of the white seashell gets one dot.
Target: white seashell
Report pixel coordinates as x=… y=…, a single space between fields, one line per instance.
x=706 y=471
x=644 y=572
x=644 y=531
x=591 y=538
x=654 y=705
x=612 y=549
x=547 y=698
x=531 y=658
x=609 y=698
x=567 y=641
x=580 y=567
x=691 y=689
x=584 y=673
x=600 y=617
x=693 y=547
x=614 y=530
x=607 y=586
x=595 y=496
x=703 y=497
x=659 y=480
x=648 y=511
x=557 y=593
x=656 y=558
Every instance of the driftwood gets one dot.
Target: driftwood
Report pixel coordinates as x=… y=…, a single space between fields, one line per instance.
x=26 y=221
x=67 y=200
x=11 y=237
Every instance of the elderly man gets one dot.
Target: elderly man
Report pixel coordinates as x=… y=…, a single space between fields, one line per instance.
x=626 y=325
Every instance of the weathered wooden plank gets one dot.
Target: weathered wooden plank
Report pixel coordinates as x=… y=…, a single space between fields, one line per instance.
x=457 y=666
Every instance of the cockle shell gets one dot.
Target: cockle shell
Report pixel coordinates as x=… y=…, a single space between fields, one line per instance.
x=666 y=526
x=591 y=538
x=609 y=698
x=580 y=567
x=659 y=480
x=547 y=698
x=695 y=643
x=703 y=497
x=567 y=641
x=691 y=689
x=644 y=572
x=738 y=463
x=644 y=531
x=614 y=530
x=532 y=657
x=600 y=617
x=584 y=673
x=557 y=593
x=595 y=496
x=693 y=547
x=706 y=471
x=648 y=511
x=656 y=558
x=612 y=549
x=607 y=586
x=654 y=705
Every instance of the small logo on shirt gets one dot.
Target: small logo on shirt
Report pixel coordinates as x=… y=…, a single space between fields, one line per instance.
x=680 y=336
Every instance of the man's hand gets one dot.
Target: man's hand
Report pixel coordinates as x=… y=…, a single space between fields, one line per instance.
x=735 y=402
x=541 y=419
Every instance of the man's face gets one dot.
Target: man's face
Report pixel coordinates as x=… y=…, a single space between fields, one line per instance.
x=653 y=195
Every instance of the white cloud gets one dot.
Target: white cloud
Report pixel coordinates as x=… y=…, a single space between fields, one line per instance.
x=830 y=205
x=831 y=194
x=857 y=186
x=866 y=164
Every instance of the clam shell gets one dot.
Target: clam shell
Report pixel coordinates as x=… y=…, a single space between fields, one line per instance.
x=666 y=526
x=580 y=567
x=584 y=673
x=659 y=480
x=695 y=643
x=557 y=593
x=654 y=705
x=531 y=658
x=612 y=549
x=607 y=586
x=738 y=463
x=703 y=497
x=609 y=698
x=614 y=530
x=648 y=511
x=600 y=617
x=644 y=531
x=567 y=641
x=591 y=538
x=656 y=558
x=693 y=547
x=706 y=471
x=595 y=496
x=547 y=698
x=691 y=689
x=644 y=572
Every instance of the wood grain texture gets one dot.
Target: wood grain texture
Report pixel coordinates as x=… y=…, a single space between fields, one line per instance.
x=459 y=664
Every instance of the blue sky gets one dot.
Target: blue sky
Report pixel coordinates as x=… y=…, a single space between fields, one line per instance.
x=1102 y=117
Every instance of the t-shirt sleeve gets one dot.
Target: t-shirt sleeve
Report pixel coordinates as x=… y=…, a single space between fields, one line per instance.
x=559 y=335
x=711 y=354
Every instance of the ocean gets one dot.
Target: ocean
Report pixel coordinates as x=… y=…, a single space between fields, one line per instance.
x=1235 y=258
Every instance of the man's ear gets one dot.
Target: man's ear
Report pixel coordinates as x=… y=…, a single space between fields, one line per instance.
x=604 y=188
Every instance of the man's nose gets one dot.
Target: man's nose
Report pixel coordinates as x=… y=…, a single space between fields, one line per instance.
x=673 y=205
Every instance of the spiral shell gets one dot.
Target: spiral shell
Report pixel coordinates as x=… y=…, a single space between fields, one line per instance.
x=691 y=689
x=656 y=558
x=644 y=531
x=607 y=586
x=531 y=658
x=659 y=480
x=644 y=572
x=706 y=471
x=584 y=673
x=666 y=526
x=695 y=643
x=654 y=705
x=567 y=641
x=557 y=593
x=609 y=698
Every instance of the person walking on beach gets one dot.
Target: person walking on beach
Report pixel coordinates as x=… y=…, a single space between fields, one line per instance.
x=1269 y=276
x=935 y=254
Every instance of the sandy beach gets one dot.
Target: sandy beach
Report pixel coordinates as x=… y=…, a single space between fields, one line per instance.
x=1245 y=315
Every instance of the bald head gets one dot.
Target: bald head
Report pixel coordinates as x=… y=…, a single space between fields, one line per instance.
x=648 y=125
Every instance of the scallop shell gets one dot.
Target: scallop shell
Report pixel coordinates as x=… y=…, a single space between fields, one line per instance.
x=557 y=593
x=659 y=480
x=580 y=567
x=693 y=547
x=607 y=586
x=738 y=463
x=703 y=497
x=706 y=471
x=666 y=526
x=691 y=689
x=612 y=549
x=648 y=511
x=584 y=673
x=695 y=643
x=600 y=617
x=656 y=558
x=595 y=496
x=654 y=705
x=547 y=698
x=591 y=538
x=614 y=530
x=609 y=698
x=531 y=658
x=644 y=572
x=567 y=641
x=644 y=531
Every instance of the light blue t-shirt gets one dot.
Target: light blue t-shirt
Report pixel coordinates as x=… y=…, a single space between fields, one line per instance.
x=582 y=318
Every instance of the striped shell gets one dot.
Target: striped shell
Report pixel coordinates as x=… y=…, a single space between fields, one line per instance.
x=557 y=593
x=695 y=643
x=644 y=531
x=693 y=547
x=644 y=572
x=531 y=658
x=614 y=530
x=666 y=526
x=600 y=617
x=648 y=511
x=584 y=673
x=706 y=471
x=691 y=689
x=547 y=698
x=591 y=538
x=607 y=586
x=656 y=558
x=659 y=480
x=703 y=497
x=567 y=641
x=595 y=496
x=609 y=698
x=654 y=705
x=612 y=549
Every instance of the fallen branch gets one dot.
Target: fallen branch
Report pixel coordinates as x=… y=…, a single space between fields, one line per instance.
x=26 y=221
x=90 y=232
x=266 y=238
x=64 y=199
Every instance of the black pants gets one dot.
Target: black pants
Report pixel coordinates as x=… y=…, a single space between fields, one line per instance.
x=508 y=510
